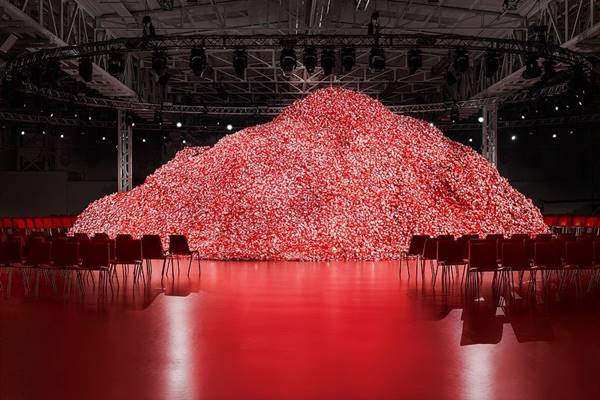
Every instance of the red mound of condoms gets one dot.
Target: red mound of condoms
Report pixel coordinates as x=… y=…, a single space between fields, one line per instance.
x=335 y=176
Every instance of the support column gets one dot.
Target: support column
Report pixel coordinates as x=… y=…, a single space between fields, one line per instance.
x=489 y=132
x=125 y=150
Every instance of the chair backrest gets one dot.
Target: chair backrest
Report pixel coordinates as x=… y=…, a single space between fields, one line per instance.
x=519 y=236
x=543 y=236
x=152 y=247
x=39 y=253
x=96 y=254
x=100 y=236
x=597 y=252
x=123 y=236
x=445 y=237
x=417 y=242
x=482 y=254
x=128 y=251
x=579 y=253
x=178 y=245
x=10 y=252
x=65 y=254
x=449 y=252
x=81 y=236
x=430 y=249
x=514 y=255
x=494 y=236
x=547 y=253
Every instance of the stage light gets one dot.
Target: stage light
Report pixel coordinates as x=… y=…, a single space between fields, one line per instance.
x=491 y=63
x=309 y=59
x=570 y=132
x=229 y=127
x=450 y=78
x=240 y=62
x=376 y=59
x=132 y=124
x=43 y=132
x=470 y=140
x=22 y=133
x=86 y=69
x=62 y=136
x=513 y=137
x=414 y=60
x=115 y=63
x=532 y=68
x=183 y=141
x=178 y=124
x=461 y=60
x=103 y=138
x=522 y=116
x=287 y=60
x=159 y=62
x=147 y=27
x=52 y=72
x=327 y=60
x=556 y=108
x=198 y=61
x=89 y=118
x=549 y=71
x=348 y=58
x=554 y=135
x=143 y=140
x=480 y=119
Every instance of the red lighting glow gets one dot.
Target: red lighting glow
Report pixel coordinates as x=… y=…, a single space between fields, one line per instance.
x=335 y=176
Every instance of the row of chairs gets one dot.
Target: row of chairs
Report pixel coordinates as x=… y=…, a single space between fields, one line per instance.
x=573 y=223
x=47 y=224
x=80 y=255
x=561 y=254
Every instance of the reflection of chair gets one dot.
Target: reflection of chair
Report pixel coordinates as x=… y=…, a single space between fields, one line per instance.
x=10 y=257
x=178 y=247
x=547 y=257
x=579 y=255
x=414 y=252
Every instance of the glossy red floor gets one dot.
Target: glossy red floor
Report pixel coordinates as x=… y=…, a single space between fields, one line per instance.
x=297 y=331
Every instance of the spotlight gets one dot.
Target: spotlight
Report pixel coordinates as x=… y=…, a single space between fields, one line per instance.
x=86 y=69
x=470 y=140
x=480 y=119
x=89 y=118
x=327 y=60
x=229 y=127
x=309 y=59
x=178 y=124
x=414 y=60
x=198 y=61
x=287 y=60
x=143 y=140
x=147 y=29
x=513 y=137
x=491 y=63
x=461 y=60
x=51 y=115
x=532 y=69
x=376 y=59
x=556 y=108
x=549 y=70
x=62 y=136
x=450 y=78
x=115 y=63
x=183 y=141
x=240 y=62
x=52 y=72
x=348 y=58
x=159 y=62
x=522 y=116
x=554 y=136
x=43 y=132
x=22 y=133
x=103 y=138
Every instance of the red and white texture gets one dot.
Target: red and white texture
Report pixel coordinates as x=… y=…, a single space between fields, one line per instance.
x=335 y=176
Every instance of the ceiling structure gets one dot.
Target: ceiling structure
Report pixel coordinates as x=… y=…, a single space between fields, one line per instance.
x=28 y=25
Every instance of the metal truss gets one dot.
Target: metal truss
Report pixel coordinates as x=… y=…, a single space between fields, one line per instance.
x=386 y=41
x=63 y=24
x=125 y=153
x=489 y=133
x=274 y=110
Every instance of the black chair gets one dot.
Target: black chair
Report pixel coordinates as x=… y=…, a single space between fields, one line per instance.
x=178 y=247
x=152 y=249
